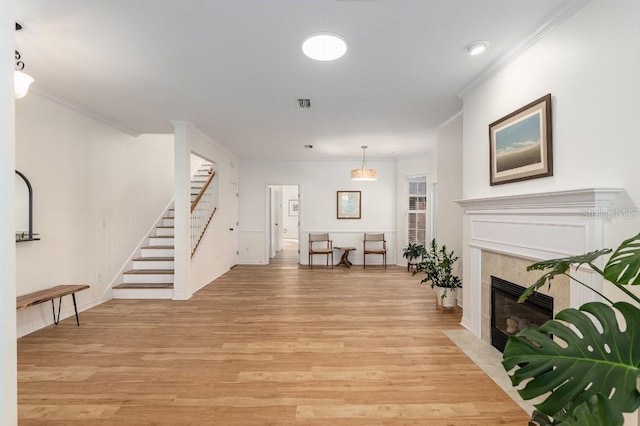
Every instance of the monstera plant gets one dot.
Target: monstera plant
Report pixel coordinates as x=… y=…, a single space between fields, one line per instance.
x=586 y=360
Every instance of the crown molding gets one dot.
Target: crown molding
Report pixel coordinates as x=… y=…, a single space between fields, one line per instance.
x=215 y=143
x=552 y=21
x=74 y=107
x=448 y=121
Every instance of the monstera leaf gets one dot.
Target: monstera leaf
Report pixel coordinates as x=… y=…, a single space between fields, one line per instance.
x=596 y=411
x=589 y=361
x=624 y=264
x=559 y=267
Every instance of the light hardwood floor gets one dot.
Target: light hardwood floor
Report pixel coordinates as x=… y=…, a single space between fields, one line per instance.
x=263 y=345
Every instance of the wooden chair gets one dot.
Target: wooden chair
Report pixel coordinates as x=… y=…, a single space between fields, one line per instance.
x=375 y=244
x=323 y=246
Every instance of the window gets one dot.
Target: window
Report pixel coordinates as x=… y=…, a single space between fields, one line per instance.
x=417 y=209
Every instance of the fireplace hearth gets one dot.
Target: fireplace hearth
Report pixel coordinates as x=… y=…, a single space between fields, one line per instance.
x=508 y=317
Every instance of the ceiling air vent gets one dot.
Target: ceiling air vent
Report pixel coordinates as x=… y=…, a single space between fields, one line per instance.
x=304 y=103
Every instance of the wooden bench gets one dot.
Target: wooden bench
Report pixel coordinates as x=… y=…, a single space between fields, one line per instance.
x=42 y=296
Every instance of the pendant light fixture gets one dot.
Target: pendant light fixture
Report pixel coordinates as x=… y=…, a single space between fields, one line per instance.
x=21 y=80
x=364 y=174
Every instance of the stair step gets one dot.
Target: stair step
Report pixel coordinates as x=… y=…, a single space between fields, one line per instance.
x=165 y=231
x=157 y=276
x=143 y=291
x=168 y=221
x=165 y=240
x=143 y=285
x=153 y=263
x=158 y=251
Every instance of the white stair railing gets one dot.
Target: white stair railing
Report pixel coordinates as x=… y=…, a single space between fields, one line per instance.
x=202 y=209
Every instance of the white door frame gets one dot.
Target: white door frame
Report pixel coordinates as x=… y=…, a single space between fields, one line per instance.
x=271 y=242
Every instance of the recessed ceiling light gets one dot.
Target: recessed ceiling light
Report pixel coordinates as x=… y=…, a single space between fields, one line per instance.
x=476 y=47
x=324 y=46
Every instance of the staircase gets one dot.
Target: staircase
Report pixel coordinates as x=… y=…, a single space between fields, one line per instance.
x=151 y=274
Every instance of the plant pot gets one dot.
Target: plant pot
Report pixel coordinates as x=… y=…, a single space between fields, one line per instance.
x=450 y=299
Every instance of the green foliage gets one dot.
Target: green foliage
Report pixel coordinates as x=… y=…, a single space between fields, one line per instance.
x=592 y=361
x=437 y=264
x=596 y=411
x=414 y=251
x=622 y=268
x=591 y=377
x=624 y=265
x=560 y=267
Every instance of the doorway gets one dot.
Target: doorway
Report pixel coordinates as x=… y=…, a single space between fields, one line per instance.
x=233 y=225
x=284 y=224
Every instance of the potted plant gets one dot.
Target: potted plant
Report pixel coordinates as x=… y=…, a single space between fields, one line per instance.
x=437 y=264
x=592 y=375
x=413 y=252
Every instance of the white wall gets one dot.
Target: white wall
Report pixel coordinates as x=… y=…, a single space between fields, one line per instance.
x=8 y=358
x=96 y=190
x=318 y=182
x=213 y=257
x=590 y=64
x=449 y=214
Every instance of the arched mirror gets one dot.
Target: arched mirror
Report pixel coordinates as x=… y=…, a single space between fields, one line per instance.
x=24 y=209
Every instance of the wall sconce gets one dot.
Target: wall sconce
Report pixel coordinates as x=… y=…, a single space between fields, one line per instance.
x=21 y=80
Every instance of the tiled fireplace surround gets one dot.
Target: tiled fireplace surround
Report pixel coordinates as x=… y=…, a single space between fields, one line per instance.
x=505 y=234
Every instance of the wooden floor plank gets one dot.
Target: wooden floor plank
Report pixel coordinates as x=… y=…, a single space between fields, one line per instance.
x=263 y=345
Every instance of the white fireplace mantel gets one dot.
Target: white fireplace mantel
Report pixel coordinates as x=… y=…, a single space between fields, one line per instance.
x=572 y=201
x=536 y=226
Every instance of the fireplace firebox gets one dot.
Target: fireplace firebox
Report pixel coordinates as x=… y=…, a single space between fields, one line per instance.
x=508 y=317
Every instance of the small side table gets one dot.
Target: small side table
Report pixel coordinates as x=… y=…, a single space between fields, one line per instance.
x=344 y=260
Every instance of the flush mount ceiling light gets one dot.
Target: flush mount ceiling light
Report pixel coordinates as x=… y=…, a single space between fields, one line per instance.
x=364 y=174
x=21 y=80
x=324 y=46
x=476 y=47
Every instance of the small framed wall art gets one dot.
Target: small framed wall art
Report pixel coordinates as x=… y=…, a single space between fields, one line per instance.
x=348 y=205
x=520 y=144
x=293 y=207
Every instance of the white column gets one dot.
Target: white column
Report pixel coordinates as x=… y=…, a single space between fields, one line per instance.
x=472 y=305
x=471 y=282
x=8 y=358
x=182 y=205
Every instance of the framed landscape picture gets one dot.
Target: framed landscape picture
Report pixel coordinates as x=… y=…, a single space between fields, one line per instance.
x=348 y=205
x=520 y=145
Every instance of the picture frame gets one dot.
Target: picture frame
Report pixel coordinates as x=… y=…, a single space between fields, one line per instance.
x=293 y=207
x=348 y=205
x=520 y=144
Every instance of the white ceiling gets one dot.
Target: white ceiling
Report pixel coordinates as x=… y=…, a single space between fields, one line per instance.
x=235 y=69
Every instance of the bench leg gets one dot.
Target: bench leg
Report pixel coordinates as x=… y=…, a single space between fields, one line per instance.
x=53 y=307
x=75 y=308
